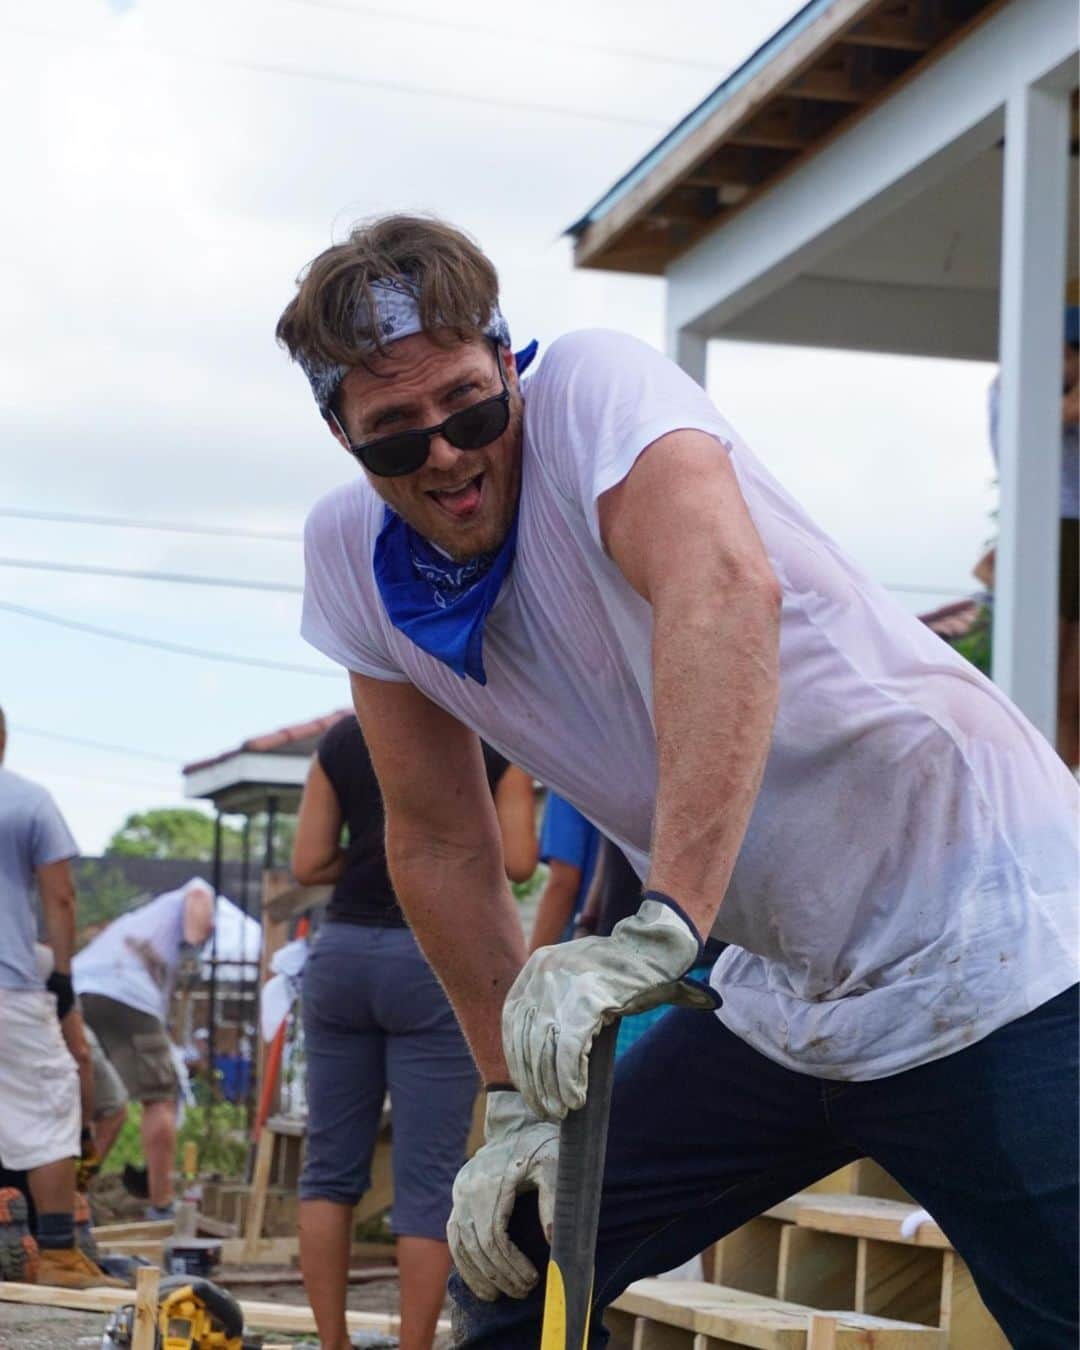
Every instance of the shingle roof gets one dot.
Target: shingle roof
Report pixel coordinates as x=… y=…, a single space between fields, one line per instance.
x=299 y=739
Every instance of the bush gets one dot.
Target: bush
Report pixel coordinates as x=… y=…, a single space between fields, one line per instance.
x=219 y=1130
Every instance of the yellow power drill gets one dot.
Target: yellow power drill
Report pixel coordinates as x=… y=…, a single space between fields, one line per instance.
x=193 y=1314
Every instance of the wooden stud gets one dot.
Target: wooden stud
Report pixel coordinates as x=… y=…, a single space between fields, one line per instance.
x=748 y=1257
x=144 y=1335
x=650 y=1335
x=900 y=1281
x=620 y=1326
x=815 y=1268
x=964 y=1315
x=822 y=1333
x=260 y=1179
x=872 y=1179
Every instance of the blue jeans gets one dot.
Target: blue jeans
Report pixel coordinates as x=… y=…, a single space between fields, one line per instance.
x=707 y=1133
x=375 y=1020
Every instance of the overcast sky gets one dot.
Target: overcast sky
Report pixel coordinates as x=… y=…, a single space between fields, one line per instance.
x=168 y=170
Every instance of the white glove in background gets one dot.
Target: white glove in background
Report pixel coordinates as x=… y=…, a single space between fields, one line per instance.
x=519 y=1153
x=565 y=994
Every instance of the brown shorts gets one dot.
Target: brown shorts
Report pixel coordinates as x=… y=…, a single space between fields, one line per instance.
x=137 y=1047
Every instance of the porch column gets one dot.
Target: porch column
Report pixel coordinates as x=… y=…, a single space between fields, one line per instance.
x=1029 y=427
x=689 y=351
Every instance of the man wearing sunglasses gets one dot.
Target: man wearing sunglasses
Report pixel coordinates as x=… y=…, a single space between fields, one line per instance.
x=591 y=569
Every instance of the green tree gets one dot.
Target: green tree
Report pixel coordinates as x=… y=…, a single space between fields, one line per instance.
x=183 y=832
x=171 y=832
x=104 y=893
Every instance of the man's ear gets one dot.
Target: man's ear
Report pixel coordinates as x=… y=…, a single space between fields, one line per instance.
x=506 y=356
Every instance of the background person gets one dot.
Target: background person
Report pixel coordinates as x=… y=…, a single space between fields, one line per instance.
x=125 y=977
x=377 y=1019
x=39 y=1082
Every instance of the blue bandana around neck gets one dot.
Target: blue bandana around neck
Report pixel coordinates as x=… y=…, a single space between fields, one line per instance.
x=439 y=604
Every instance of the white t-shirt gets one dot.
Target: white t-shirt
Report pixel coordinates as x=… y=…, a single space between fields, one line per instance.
x=135 y=959
x=908 y=880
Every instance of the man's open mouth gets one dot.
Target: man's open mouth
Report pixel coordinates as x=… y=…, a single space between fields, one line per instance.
x=462 y=500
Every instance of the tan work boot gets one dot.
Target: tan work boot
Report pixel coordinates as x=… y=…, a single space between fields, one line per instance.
x=18 y=1250
x=71 y=1268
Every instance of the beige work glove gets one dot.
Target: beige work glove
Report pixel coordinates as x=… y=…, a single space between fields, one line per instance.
x=565 y=994
x=519 y=1153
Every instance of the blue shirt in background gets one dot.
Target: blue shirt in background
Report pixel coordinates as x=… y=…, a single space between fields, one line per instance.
x=567 y=837
x=32 y=833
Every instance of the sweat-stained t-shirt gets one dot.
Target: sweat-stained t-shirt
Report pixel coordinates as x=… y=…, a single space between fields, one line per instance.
x=135 y=959
x=908 y=879
x=32 y=834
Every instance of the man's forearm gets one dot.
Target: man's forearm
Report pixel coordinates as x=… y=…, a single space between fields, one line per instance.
x=715 y=691
x=460 y=908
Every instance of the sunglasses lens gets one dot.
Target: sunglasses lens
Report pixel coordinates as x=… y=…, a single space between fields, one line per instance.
x=395 y=455
x=479 y=425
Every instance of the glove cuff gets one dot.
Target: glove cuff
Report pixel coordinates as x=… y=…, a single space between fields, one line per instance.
x=505 y=1113
x=674 y=905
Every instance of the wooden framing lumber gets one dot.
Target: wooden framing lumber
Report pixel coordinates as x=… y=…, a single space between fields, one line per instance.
x=817 y=1269
x=899 y=1281
x=257 y=1316
x=732 y=1317
x=749 y=1257
x=963 y=1313
x=864 y=1216
x=134 y=1232
x=144 y=1333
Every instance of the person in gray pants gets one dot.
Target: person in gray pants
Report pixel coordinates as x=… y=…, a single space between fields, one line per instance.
x=376 y=1019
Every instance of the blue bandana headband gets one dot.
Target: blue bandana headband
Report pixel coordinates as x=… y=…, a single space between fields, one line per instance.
x=397 y=316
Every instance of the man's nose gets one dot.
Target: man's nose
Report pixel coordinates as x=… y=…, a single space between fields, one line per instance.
x=441 y=454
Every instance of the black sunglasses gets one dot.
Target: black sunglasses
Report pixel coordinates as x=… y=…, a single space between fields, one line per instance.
x=405 y=451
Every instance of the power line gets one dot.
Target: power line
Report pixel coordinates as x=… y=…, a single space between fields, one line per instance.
x=263 y=663
x=96 y=745
x=497 y=34
x=132 y=574
x=335 y=77
x=132 y=523
x=97 y=780
x=187 y=578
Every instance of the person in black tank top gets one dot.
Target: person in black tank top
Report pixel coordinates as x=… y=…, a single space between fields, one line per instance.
x=377 y=1020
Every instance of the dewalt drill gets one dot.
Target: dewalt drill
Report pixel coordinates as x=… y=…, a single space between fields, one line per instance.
x=193 y=1314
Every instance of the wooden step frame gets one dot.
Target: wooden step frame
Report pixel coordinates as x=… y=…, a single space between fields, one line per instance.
x=687 y=1315
x=831 y=1249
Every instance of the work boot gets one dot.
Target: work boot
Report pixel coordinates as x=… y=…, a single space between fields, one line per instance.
x=84 y=1232
x=18 y=1249
x=70 y=1268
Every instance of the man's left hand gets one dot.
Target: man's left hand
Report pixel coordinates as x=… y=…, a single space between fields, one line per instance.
x=565 y=994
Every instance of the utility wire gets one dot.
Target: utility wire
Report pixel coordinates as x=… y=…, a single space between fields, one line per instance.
x=133 y=574
x=335 y=77
x=96 y=780
x=131 y=523
x=23 y=730
x=498 y=34
x=263 y=663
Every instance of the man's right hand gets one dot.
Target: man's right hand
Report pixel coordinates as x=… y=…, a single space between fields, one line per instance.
x=519 y=1153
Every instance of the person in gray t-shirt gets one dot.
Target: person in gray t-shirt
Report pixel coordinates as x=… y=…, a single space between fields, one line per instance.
x=39 y=1087
x=33 y=834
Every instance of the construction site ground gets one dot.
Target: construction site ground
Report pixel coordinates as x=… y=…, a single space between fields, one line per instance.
x=23 y=1327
